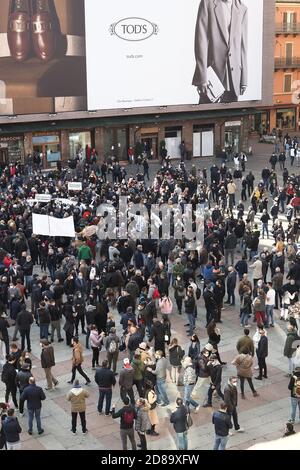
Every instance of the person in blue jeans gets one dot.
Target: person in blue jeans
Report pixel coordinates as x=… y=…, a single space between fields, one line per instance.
x=34 y=396
x=294 y=387
x=162 y=393
x=161 y=374
x=222 y=423
x=105 y=379
x=189 y=381
x=179 y=420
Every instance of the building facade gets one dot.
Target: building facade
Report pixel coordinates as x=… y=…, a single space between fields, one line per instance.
x=62 y=133
x=285 y=112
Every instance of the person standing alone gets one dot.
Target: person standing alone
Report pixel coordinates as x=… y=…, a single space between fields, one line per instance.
x=262 y=354
x=77 y=397
x=47 y=362
x=222 y=422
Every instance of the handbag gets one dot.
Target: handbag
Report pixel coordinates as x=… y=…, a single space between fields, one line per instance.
x=189 y=421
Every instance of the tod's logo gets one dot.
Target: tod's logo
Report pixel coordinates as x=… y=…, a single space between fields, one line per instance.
x=133 y=29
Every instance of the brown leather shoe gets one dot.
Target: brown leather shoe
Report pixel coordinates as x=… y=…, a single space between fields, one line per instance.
x=43 y=30
x=18 y=30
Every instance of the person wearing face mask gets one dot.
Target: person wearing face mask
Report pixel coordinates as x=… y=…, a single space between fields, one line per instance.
x=79 y=306
x=81 y=285
x=210 y=304
x=68 y=312
x=231 y=401
x=215 y=370
x=47 y=362
x=203 y=373
x=179 y=293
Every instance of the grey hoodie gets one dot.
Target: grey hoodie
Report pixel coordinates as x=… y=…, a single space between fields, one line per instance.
x=126 y=378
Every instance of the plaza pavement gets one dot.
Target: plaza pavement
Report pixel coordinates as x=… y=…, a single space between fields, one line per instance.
x=263 y=418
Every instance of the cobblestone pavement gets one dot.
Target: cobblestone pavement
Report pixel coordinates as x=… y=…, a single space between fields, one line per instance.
x=263 y=418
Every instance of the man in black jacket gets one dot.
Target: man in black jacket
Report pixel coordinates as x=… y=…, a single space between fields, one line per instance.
x=179 y=420
x=22 y=381
x=34 y=396
x=262 y=353
x=12 y=431
x=55 y=317
x=231 y=401
x=215 y=370
x=9 y=378
x=44 y=320
x=210 y=304
x=24 y=322
x=105 y=379
x=128 y=416
x=222 y=422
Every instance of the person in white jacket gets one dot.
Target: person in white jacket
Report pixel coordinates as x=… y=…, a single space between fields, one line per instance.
x=257 y=270
x=286 y=302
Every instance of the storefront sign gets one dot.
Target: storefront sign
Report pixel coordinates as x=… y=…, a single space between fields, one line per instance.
x=11 y=138
x=233 y=124
x=46 y=139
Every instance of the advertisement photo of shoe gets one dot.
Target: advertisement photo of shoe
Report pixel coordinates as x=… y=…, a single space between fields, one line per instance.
x=42 y=56
x=18 y=29
x=45 y=29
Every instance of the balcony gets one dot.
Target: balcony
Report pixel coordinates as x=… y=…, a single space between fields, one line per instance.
x=287 y=63
x=288 y=28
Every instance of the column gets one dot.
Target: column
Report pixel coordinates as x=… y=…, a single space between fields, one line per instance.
x=99 y=142
x=187 y=136
x=64 y=146
x=28 y=146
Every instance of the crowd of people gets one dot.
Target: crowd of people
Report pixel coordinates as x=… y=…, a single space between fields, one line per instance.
x=121 y=296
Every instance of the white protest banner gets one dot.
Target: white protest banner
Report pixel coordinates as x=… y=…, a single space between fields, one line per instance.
x=66 y=202
x=43 y=198
x=62 y=227
x=75 y=186
x=52 y=227
x=40 y=224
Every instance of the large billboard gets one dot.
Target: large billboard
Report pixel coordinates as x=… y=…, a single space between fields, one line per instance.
x=173 y=52
x=76 y=55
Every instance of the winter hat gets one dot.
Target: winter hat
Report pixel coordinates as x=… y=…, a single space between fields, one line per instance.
x=209 y=347
x=187 y=361
x=77 y=384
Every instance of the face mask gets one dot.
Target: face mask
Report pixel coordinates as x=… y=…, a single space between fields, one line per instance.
x=234 y=384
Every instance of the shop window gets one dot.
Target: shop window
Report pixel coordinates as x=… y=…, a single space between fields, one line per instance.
x=78 y=141
x=173 y=138
x=286 y=119
x=48 y=147
x=116 y=141
x=203 y=142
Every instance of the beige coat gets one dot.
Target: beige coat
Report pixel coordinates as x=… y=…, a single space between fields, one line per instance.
x=77 y=397
x=244 y=363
